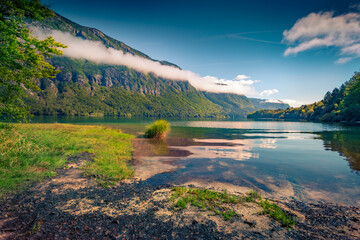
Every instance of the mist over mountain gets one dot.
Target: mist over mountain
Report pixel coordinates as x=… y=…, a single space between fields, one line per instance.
x=109 y=87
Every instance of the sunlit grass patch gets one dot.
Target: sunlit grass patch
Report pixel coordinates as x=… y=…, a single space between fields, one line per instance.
x=31 y=152
x=223 y=203
x=204 y=199
x=274 y=211
x=112 y=151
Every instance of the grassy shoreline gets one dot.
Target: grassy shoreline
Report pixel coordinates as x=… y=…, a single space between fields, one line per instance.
x=31 y=152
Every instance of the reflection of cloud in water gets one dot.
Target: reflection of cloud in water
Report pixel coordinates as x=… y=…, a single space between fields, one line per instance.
x=151 y=166
x=150 y=156
x=236 y=153
x=287 y=135
x=280 y=188
x=238 y=149
x=268 y=143
x=339 y=196
x=217 y=161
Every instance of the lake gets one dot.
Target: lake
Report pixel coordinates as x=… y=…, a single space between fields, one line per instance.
x=311 y=162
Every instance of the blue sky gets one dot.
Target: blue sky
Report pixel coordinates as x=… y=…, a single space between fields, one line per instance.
x=230 y=38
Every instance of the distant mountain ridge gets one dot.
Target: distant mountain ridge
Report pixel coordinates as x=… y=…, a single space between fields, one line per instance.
x=85 y=88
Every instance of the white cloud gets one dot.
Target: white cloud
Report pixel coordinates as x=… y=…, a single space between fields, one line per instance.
x=245 y=80
x=344 y=60
x=98 y=53
x=273 y=101
x=291 y=102
x=242 y=77
x=325 y=30
x=268 y=92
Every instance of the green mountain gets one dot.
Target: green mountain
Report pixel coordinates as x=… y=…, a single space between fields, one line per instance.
x=84 y=88
x=342 y=104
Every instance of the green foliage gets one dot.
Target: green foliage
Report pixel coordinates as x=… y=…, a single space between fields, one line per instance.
x=233 y=105
x=276 y=213
x=158 y=129
x=350 y=104
x=30 y=152
x=22 y=57
x=341 y=104
x=6 y=126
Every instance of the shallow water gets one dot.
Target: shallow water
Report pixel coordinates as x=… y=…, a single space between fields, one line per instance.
x=307 y=161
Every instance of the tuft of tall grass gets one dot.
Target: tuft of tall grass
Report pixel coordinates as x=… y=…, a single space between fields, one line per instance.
x=158 y=129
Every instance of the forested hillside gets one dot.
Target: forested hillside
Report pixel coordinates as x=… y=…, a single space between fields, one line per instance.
x=342 y=104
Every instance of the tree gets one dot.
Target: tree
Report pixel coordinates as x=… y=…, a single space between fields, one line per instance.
x=350 y=104
x=22 y=56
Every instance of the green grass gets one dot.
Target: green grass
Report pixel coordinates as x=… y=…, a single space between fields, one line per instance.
x=228 y=214
x=31 y=152
x=222 y=203
x=205 y=199
x=158 y=129
x=276 y=213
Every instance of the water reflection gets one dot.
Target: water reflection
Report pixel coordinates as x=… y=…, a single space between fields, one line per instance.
x=281 y=164
x=239 y=149
x=346 y=143
x=262 y=125
x=281 y=159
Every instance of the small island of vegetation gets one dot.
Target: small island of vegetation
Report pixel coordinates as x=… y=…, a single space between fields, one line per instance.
x=158 y=129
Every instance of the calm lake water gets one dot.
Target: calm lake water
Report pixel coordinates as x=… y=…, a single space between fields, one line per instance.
x=306 y=161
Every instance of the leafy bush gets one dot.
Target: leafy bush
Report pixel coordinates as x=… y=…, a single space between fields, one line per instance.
x=158 y=129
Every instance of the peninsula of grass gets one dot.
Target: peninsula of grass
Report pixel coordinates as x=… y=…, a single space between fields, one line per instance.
x=31 y=152
x=222 y=203
x=158 y=129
